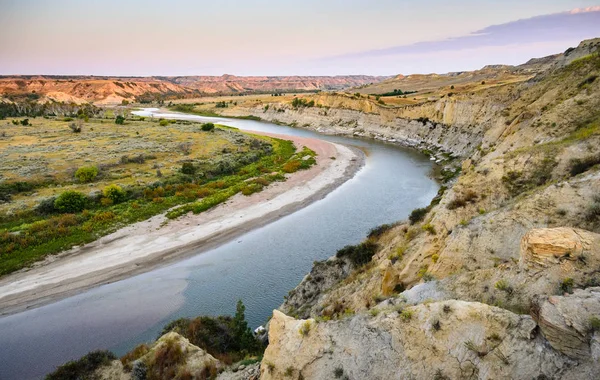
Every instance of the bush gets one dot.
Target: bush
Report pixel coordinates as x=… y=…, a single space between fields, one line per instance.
x=578 y=166
x=115 y=193
x=120 y=120
x=86 y=174
x=207 y=127
x=188 y=168
x=462 y=199
x=83 y=368
x=291 y=166
x=70 y=201
x=359 y=254
x=418 y=215
x=379 y=230
x=163 y=122
x=46 y=206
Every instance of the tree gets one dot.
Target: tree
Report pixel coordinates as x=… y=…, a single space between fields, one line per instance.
x=70 y=201
x=120 y=120
x=86 y=174
x=240 y=328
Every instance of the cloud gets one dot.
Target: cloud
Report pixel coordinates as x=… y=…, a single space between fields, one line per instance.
x=578 y=24
x=585 y=10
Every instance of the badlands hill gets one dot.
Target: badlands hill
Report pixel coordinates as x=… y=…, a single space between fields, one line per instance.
x=113 y=90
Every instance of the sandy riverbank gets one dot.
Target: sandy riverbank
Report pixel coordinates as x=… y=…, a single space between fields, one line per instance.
x=146 y=245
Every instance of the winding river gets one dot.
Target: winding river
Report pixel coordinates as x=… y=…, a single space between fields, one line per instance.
x=259 y=267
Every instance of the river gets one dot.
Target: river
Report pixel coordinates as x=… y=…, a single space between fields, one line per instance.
x=259 y=267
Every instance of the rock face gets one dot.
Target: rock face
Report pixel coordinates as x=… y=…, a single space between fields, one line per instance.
x=171 y=356
x=543 y=247
x=442 y=340
x=570 y=322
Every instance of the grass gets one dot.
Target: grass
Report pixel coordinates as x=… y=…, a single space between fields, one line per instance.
x=82 y=368
x=27 y=236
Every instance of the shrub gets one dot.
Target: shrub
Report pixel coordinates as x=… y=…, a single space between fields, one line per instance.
x=46 y=206
x=291 y=166
x=86 y=174
x=418 y=215
x=406 y=314
x=338 y=372
x=379 y=230
x=429 y=228
x=207 y=127
x=503 y=286
x=578 y=166
x=305 y=328
x=120 y=120
x=594 y=323
x=188 y=168
x=566 y=286
x=83 y=368
x=75 y=127
x=163 y=122
x=462 y=199
x=359 y=254
x=70 y=201
x=114 y=192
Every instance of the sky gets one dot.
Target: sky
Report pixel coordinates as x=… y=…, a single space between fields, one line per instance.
x=281 y=37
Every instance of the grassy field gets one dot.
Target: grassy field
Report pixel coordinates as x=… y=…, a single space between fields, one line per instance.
x=61 y=188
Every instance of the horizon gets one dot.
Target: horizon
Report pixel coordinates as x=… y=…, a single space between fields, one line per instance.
x=366 y=39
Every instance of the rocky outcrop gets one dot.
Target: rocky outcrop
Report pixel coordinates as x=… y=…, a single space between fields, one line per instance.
x=543 y=247
x=570 y=323
x=171 y=356
x=442 y=340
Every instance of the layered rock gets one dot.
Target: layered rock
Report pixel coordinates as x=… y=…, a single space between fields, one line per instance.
x=570 y=322
x=443 y=340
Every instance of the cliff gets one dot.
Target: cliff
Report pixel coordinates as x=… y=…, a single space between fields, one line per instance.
x=496 y=279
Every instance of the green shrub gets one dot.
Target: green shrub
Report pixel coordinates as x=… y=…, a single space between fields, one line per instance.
x=86 y=174
x=429 y=228
x=120 y=120
x=359 y=254
x=46 y=206
x=70 y=201
x=566 y=286
x=504 y=286
x=207 y=127
x=188 y=168
x=163 y=122
x=594 y=323
x=115 y=193
x=83 y=368
x=379 y=230
x=418 y=215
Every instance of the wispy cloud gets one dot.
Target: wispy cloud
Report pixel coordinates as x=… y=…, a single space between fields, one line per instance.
x=585 y=10
x=577 y=24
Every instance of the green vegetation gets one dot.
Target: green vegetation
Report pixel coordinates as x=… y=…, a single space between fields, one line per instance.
x=86 y=174
x=566 y=286
x=207 y=127
x=518 y=182
x=417 y=215
x=83 y=368
x=504 y=286
x=301 y=102
x=581 y=165
x=396 y=92
x=120 y=120
x=59 y=221
x=359 y=254
x=70 y=201
x=227 y=338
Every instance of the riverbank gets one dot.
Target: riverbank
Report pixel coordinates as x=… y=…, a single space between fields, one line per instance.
x=158 y=241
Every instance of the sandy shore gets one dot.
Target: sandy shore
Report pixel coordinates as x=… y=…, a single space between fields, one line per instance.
x=146 y=245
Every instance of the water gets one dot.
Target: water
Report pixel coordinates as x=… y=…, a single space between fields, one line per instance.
x=259 y=267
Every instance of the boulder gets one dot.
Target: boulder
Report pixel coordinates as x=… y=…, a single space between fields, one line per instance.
x=544 y=247
x=566 y=321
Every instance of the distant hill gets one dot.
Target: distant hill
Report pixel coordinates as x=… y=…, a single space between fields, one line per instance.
x=113 y=90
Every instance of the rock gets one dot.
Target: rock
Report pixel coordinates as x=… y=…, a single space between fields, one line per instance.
x=450 y=339
x=543 y=247
x=565 y=321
